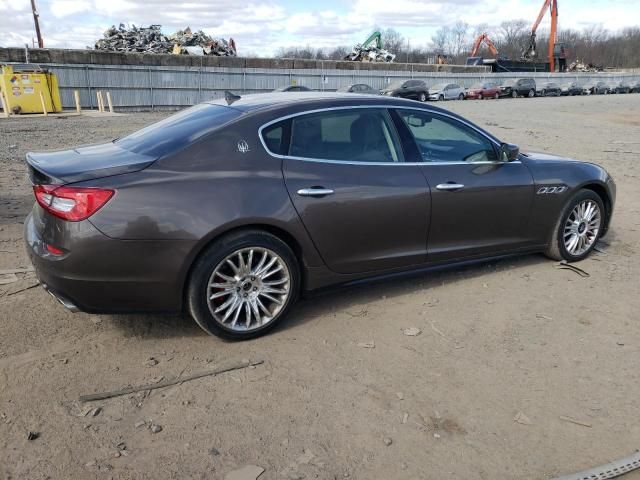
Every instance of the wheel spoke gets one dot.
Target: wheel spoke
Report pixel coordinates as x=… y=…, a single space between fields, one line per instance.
x=238 y=309
x=233 y=266
x=275 y=270
x=272 y=283
x=278 y=291
x=230 y=310
x=265 y=255
x=220 y=294
x=273 y=299
x=226 y=304
x=221 y=285
x=226 y=277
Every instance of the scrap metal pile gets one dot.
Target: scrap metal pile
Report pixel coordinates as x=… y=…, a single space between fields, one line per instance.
x=371 y=51
x=152 y=40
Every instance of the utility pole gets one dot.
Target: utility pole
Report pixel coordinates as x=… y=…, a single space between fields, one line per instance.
x=36 y=16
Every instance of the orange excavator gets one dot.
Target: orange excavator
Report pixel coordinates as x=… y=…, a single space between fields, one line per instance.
x=555 y=50
x=478 y=43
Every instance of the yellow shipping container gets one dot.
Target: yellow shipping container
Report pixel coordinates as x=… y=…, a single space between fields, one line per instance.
x=22 y=90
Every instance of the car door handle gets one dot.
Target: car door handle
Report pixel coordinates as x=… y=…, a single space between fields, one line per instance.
x=450 y=186
x=315 y=192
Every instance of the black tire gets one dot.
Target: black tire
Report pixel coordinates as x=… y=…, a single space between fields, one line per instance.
x=556 y=249
x=480 y=96
x=514 y=94
x=213 y=255
x=496 y=96
x=531 y=94
x=543 y=93
x=441 y=98
x=461 y=96
x=422 y=97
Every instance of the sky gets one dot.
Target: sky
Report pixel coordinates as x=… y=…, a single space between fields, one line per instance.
x=260 y=27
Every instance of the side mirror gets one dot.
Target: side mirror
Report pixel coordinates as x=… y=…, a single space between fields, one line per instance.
x=509 y=152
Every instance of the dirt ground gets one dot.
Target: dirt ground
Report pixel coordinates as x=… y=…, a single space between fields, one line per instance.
x=507 y=350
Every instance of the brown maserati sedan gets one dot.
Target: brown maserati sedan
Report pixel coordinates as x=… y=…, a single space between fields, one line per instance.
x=231 y=209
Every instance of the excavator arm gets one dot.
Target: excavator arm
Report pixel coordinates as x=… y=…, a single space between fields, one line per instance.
x=478 y=43
x=375 y=36
x=530 y=50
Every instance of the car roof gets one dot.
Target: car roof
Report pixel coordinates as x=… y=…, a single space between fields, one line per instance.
x=262 y=101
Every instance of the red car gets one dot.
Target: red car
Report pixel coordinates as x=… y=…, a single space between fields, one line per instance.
x=482 y=90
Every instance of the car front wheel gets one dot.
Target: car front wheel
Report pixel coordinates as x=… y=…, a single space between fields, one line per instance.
x=578 y=228
x=531 y=94
x=514 y=94
x=461 y=96
x=422 y=97
x=243 y=284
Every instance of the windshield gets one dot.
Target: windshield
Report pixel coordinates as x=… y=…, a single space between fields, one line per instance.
x=438 y=86
x=394 y=85
x=178 y=130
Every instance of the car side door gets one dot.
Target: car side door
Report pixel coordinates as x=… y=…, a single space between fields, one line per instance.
x=365 y=209
x=480 y=203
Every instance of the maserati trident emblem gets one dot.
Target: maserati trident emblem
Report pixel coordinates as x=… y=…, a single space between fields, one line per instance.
x=243 y=146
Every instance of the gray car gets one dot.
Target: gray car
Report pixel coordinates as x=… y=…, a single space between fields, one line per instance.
x=232 y=209
x=359 y=88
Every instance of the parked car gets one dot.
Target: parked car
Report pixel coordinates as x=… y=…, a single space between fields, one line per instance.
x=482 y=90
x=548 y=89
x=521 y=87
x=595 y=88
x=570 y=89
x=293 y=88
x=634 y=87
x=232 y=209
x=619 y=87
x=446 y=91
x=415 y=89
x=359 y=88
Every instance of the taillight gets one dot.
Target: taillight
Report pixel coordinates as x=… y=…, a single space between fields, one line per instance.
x=71 y=203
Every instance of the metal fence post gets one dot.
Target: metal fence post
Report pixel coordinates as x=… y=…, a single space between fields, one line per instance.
x=88 y=80
x=151 y=88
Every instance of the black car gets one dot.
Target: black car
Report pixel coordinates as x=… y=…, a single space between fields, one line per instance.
x=414 y=89
x=619 y=87
x=293 y=88
x=549 y=89
x=570 y=89
x=595 y=88
x=231 y=209
x=521 y=87
x=359 y=88
x=634 y=87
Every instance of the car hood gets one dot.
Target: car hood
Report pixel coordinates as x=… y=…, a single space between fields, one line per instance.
x=549 y=157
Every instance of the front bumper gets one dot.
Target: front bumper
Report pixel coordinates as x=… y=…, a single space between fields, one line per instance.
x=99 y=274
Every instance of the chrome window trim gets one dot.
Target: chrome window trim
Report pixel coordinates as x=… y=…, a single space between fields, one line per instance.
x=384 y=107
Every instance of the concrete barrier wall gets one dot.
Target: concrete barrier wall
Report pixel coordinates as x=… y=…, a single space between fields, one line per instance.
x=143 y=87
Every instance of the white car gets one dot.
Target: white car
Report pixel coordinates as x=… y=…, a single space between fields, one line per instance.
x=446 y=91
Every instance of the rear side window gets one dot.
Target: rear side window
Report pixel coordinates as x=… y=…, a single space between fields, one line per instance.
x=276 y=137
x=179 y=130
x=353 y=135
x=440 y=139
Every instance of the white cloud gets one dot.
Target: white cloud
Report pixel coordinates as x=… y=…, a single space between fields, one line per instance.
x=262 y=26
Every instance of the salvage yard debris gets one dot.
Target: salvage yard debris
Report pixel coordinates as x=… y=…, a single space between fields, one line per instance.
x=563 y=265
x=610 y=470
x=370 y=51
x=151 y=40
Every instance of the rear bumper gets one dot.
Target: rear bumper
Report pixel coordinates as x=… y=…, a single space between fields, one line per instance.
x=103 y=275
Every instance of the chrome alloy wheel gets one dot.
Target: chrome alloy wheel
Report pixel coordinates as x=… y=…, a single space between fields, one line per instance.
x=248 y=288
x=582 y=227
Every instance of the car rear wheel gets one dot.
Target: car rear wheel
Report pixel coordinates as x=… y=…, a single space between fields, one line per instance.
x=422 y=97
x=243 y=285
x=441 y=98
x=578 y=228
x=514 y=94
x=479 y=96
x=531 y=93
x=461 y=96
x=496 y=96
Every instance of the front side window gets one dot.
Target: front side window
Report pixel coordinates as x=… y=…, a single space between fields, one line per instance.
x=351 y=135
x=440 y=139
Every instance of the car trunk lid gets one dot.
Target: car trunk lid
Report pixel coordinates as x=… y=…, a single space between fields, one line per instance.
x=84 y=163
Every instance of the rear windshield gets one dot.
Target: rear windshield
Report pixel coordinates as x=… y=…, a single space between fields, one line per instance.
x=178 y=130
